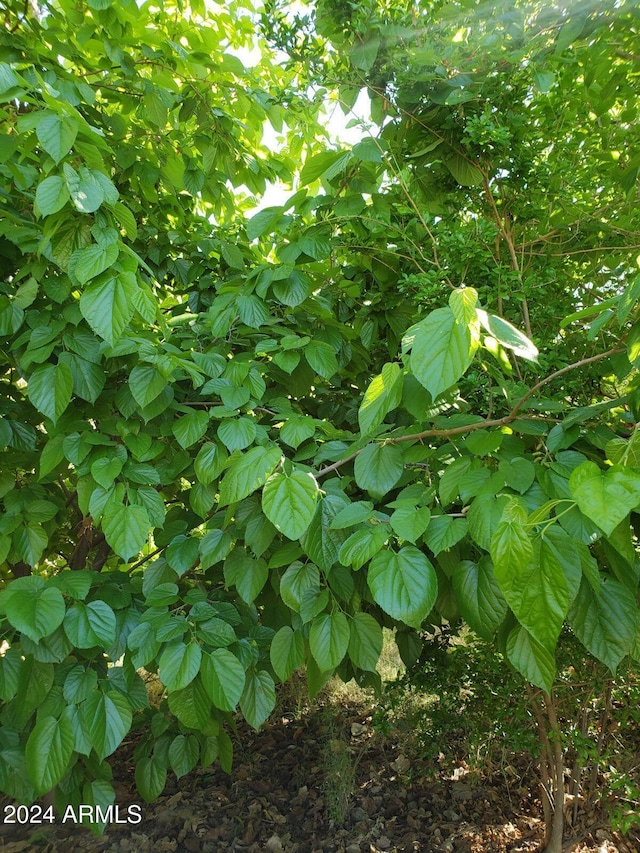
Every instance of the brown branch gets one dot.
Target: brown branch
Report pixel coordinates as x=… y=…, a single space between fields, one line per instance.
x=557 y=825
x=337 y=464
x=560 y=372
x=483 y=424
x=145 y=559
x=545 y=759
x=507 y=236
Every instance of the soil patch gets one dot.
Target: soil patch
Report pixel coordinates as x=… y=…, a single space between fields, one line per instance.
x=324 y=783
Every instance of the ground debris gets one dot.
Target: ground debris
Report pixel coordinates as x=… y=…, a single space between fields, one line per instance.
x=277 y=801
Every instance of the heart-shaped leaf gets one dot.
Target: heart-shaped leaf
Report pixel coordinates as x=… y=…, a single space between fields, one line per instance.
x=606 y=497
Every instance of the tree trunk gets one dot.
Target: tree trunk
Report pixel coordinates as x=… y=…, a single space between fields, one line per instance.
x=554 y=837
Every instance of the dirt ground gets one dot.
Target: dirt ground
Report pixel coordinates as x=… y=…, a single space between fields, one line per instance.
x=321 y=782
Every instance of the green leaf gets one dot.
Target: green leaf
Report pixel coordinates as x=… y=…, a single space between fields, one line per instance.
x=89 y=262
x=248 y=473
x=286 y=652
x=183 y=754
x=352 y=514
x=104 y=471
x=10 y=665
x=209 y=462
x=606 y=497
x=378 y=468
x=191 y=705
x=190 y=428
x=214 y=547
x=179 y=664
x=511 y=545
x=297 y=430
x=143 y=643
x=449 y=486
x=314 y=601
x=216 y=632
x=84 y=188
x=532 y=660
x=252 y=311
x=258 y=698
x=483 y=518
x=465 y=172
x=382 y=396
x=126 y=529
x=237 y=433
x=75 y=584
x=365 y=641
x=246 y=574
x=403 y=584
x=362 y=545
x=146 y=383
x=50 y=388
x=605 y=623
x=321 y=542
x=321 y=358
x=48 y=752
x=52 y=455
x=235 y=398
x=289 y=502
x=9 y=81
x=126 y=219
x=292 y=291
x=442 y=351
x=51 y=195
x=297 y=579
x=11 y=317
x=107 y=717
x=478 y=596
x=33 y=607
x=151 y=777
x=88 y=378
x=508 y=335
x=463 y=302
x=263 y=222
x=107 y=305
x=482 y=442
x=223 y=677
x=540 y=595
x=89 y=625
x=410 y=524
x=56 y=134
x=365 y=52
x=319 y=164
x=329 y=639
x=444 y=532
x=79 y=684
x=518 y=473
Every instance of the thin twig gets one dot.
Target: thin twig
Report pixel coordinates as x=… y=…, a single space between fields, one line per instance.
x=487 y=422
x=145 y=559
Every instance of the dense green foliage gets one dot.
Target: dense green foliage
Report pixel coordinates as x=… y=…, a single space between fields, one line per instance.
x=239 y=442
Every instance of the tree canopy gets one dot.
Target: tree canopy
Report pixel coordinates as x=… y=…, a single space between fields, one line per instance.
x=236 y=443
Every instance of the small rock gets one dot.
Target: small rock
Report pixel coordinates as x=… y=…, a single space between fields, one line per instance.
x=353 y=848
x=384 y=843
x=401 y=764
x=274 y=845
x=358 y=729
x=461 y=792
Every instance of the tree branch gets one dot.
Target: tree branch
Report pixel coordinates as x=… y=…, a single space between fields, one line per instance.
x=488 y=422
